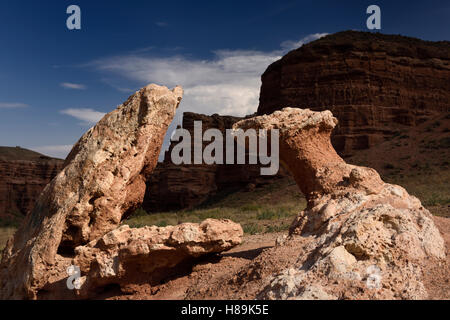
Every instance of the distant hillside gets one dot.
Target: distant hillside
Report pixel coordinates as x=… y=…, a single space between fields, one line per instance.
x=18 y=153
x=23 y=175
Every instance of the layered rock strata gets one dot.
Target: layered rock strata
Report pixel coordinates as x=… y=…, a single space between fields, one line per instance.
x=23 y=175
x=184 y=186
x=375 y=84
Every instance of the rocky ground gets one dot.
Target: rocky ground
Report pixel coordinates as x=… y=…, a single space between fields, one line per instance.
x=240 y=272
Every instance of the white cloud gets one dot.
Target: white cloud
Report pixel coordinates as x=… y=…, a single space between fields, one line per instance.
x=118 y=87
x=88 y=116
x=125 y=90
x=228 y=83
x=76 y=86
x=161 y=24
x=57 y=151
x=290 y=45
x=12 y=105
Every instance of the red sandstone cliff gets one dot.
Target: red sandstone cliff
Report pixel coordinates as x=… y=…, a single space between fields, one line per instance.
x=373 y=83
x=376 y=85
x=23 y=175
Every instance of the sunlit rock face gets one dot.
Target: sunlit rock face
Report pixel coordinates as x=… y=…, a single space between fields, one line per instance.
x=102 y=182
x=365 y=238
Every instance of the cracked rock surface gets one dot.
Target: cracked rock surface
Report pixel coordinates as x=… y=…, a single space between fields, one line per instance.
x=365 y=238
x=76 y=218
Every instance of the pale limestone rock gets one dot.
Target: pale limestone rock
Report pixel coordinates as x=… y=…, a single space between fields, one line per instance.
x=283 y=286
x=76 y=219
x=340 y=260
x=314 y=293
x=359 y=223
x=103 y=181
x=108 y=259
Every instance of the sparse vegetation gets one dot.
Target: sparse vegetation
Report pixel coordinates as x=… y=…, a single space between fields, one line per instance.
x=272 y=207
x=429 y=185
x=269 y=208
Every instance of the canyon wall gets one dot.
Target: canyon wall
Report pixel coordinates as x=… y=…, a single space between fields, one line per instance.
x=174 y=187
x=376 y=86
x=23 y=175
x=373 y=83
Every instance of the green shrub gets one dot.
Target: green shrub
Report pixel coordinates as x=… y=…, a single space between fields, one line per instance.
x=250 y=207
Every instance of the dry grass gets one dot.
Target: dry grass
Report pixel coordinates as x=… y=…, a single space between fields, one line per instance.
x=432 y=187
x=254 y=218
x=270 y=208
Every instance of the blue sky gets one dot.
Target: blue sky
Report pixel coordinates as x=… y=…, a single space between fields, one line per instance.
x=55 y=83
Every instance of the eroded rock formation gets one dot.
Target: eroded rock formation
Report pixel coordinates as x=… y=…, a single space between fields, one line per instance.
x=174 y=187
x=373 y=83
x=366 y=238
x=376 y=85
x=103 y=181
x=127 y=255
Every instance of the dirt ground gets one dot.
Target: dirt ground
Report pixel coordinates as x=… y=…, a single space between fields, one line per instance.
x=243 y=271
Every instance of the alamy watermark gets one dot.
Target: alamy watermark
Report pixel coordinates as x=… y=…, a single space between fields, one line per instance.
x=73 y=22
x=373 y=280
x=74 y=279
x=374 y=20
x=256 y=142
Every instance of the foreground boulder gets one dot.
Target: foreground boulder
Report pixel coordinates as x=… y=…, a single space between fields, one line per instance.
x=128 y=255
x=363 y=238
x=102 y=183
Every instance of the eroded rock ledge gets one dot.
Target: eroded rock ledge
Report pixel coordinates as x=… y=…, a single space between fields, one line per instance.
x=76 y=218
x=125 y=255
x=366 y=238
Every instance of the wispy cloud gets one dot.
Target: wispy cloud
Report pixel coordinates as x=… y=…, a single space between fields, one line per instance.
x=57 y=151
x=228 y=83
x=12 y=105
x=161 y=24
x=75 y=86
x=118 y=87
x=125 y=90
x=88 y=116
x=290 y=45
